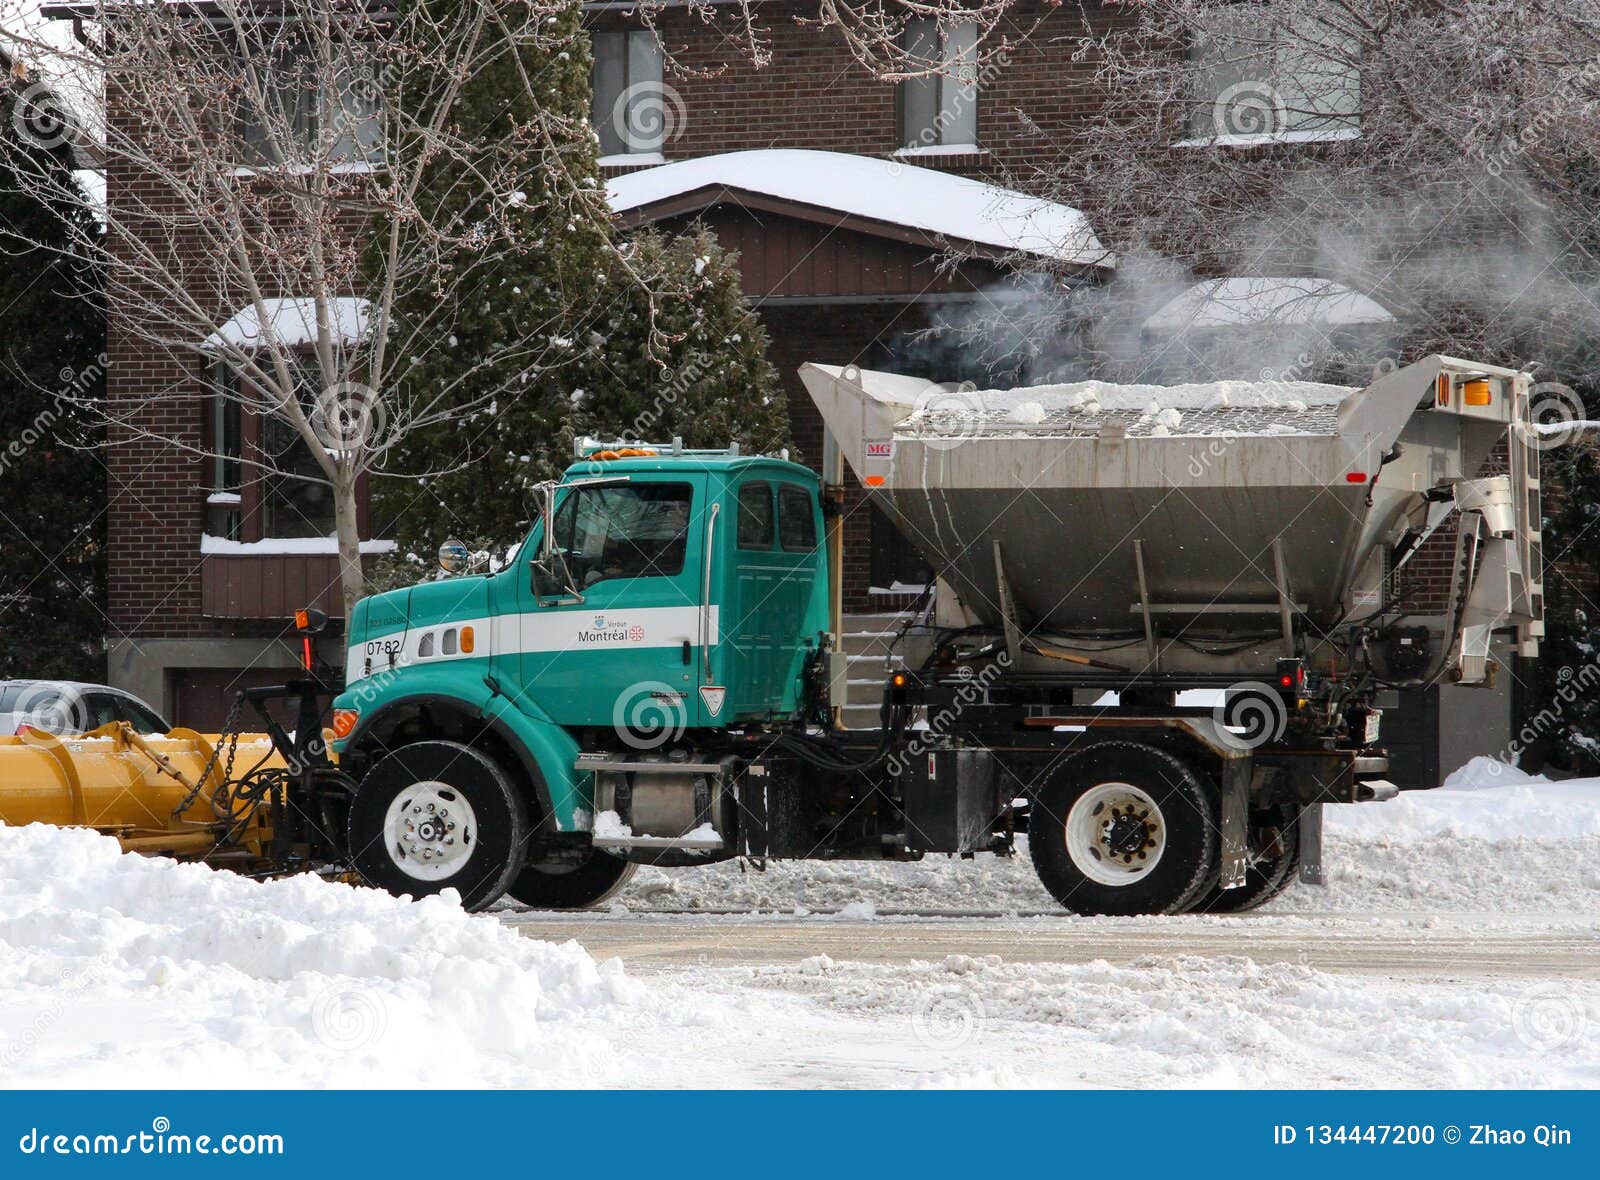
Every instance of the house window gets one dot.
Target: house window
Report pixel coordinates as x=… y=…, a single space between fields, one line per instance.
x=225 y=498
x=305 y=115
x=940 y=110
x=1264 y=74
x=629 y=111
x=296 y=498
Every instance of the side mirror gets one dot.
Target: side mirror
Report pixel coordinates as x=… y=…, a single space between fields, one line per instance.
x=454 y=557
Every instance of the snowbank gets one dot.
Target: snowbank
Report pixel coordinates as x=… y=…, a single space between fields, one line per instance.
x=293 y=323
x=128 y=971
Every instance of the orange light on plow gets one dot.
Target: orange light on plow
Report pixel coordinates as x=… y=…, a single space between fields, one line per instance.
x=344 y=722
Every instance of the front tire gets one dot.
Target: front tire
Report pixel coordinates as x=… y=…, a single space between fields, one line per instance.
x=435 y=816
x=1123 y=828
x=572 y=887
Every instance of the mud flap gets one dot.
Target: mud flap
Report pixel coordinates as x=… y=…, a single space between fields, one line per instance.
x=1311 y=845
x=1235 y=822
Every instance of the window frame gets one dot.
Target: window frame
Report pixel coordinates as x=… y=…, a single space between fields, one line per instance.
x=1303 y=112
x=954 y=87
x=569 y=507
x=785 y=489
x=302 y=112
x=642 y=64
x=772 y=517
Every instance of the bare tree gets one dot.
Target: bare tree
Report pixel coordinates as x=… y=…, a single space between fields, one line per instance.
x=1441 y=157
x=285 y=176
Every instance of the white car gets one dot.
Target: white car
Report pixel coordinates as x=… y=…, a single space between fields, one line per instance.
x=66 y=706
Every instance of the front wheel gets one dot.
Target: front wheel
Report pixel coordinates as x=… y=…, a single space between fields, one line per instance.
x=559 y=886
x=435 y=816
x=1123 y=828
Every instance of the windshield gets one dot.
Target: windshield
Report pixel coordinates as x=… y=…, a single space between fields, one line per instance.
x=624 y=531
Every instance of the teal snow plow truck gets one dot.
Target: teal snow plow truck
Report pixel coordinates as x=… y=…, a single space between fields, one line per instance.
x=656 y=677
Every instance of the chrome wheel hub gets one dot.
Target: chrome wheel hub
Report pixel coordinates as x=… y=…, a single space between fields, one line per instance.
x=430 y=831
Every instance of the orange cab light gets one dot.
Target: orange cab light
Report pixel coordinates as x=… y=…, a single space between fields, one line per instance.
x=344 y=722
x=1442 y=397
x=899 y=680
x=466 y=639
x=1477 y=393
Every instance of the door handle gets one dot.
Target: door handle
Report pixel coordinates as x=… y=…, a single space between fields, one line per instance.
x=688 y=653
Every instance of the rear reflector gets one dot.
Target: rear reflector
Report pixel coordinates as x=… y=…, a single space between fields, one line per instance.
x=873 y=481
x=1356 y=477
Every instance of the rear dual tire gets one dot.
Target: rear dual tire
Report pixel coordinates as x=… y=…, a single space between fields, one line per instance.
x=1122 y=828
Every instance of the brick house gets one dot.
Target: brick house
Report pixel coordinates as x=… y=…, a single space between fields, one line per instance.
x=845 y=252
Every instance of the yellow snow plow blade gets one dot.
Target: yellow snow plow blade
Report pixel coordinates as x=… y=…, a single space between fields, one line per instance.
x=144 y=790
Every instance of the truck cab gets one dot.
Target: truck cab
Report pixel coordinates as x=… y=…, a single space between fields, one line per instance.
x=664 y=598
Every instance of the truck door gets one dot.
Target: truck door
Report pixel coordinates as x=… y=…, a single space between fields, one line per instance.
x=615 y=638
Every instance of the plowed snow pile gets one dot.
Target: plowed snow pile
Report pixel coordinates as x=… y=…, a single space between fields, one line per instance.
x=127 y=971
x=1491 y=840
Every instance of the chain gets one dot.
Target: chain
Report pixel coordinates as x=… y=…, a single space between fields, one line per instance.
x=229 y=735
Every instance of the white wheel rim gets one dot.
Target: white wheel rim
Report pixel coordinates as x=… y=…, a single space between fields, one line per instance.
x=1115 y=833
x=430 y=831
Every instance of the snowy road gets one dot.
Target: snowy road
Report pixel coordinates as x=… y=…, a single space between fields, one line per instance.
x=1457 y=944
x=1450 y=947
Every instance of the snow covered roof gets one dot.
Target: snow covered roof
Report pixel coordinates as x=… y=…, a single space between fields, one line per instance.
x=888 y=191
x=1258 y=301
x=293 y=322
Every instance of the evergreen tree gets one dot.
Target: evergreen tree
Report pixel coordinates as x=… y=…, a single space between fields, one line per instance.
x=706 y=379
x=653 y=339
x=52 y=482
x=517 y=320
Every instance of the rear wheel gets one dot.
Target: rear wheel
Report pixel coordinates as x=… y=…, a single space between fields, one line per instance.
x=572 y=886
x=1123 y=828
x=1274 y=865
x=435 y=816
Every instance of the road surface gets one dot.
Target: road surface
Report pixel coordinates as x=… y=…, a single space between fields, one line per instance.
x=1448 y=947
